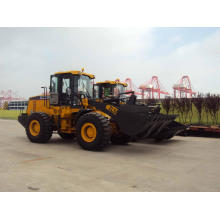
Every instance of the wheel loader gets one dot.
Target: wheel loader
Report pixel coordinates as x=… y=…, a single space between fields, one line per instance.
x=72 y=110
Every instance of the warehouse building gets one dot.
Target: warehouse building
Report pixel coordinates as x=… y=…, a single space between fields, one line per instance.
x=17 y=105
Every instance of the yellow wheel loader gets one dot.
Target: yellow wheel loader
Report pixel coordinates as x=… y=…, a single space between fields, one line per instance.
x=109 y=90
x=66 y=111
x=72 y=110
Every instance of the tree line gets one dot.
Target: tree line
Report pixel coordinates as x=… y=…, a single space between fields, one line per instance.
x=204 y=108
x=4 y=106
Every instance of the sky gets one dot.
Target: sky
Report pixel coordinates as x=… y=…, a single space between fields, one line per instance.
x=28 y=56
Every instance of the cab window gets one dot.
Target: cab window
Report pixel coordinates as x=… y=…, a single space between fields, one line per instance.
x=96 y=92
x=65 y=84
x=85 y=86
x=54 y=84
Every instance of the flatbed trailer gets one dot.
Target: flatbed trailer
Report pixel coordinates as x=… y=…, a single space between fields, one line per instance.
x=202 y=130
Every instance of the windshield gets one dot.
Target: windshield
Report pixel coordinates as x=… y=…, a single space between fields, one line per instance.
x=119 y=89
x=107 y=90
x=85 y=85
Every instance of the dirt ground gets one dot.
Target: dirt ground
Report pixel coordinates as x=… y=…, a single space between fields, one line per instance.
x=180 y=164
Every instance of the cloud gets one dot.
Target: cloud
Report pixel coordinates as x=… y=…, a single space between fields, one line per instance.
x=176 y=39
x=29 y=55
x=200 y=60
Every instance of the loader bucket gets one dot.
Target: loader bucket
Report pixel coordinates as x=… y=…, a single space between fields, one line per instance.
x=170 y=130
x=132 y=120
x=139 y=121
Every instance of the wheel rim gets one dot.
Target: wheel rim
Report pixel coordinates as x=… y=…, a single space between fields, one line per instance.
x=34 y=127
x=88 y=132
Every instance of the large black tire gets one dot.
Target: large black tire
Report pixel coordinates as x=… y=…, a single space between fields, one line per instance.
x=45 y=127
x=102 y=131
x=121 y=139
x=66 y=136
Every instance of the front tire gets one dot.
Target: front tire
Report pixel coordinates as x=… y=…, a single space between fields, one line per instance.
x=93 y=131
x=38 y=127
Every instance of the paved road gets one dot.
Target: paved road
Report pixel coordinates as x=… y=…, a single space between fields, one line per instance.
x=181 y=164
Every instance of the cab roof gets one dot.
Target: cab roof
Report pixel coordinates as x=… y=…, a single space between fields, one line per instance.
x=76 y=72
x=113 y=83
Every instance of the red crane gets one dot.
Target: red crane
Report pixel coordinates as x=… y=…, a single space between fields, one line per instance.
x=131 y=87
x=153 y=88
x=183 y=88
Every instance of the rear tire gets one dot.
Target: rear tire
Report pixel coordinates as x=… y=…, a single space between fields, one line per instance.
x=93 y=131
x=38 y=127
x=67 y=136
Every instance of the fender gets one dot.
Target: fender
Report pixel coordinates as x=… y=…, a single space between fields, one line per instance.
x=80 y=113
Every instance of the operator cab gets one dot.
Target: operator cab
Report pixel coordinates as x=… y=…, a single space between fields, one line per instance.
x=108 y=89
x=67 y=88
